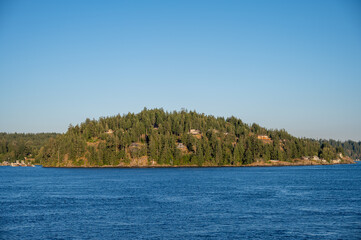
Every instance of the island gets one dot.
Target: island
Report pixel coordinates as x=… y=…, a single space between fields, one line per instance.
x=157 y=138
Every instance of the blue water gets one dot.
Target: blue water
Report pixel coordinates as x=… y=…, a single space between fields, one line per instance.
x=310 y=202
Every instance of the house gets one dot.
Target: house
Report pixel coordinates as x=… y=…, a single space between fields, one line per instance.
x=263 y=137
x=316 y=158
x=134 y=145
x=181 y=146
x=110 y=131
x=194 y=131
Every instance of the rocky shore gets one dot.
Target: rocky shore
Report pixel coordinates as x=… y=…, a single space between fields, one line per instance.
x=18 y=163
x=305 y=161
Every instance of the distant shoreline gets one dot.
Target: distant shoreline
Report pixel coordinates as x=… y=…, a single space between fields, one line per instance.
x=283 y=164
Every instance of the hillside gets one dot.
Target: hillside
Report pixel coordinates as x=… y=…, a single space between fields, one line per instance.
x=158 y=138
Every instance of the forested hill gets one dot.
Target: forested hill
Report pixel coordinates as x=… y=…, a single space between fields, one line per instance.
x=159 y=138
x=17 y=146
x=351 y=148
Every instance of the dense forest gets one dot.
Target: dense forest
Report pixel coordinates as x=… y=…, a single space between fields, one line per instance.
x=351 y=148
x=17 y=146
x=156 y=137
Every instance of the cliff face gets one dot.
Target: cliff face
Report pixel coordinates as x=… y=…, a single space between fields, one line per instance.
x=158 y=138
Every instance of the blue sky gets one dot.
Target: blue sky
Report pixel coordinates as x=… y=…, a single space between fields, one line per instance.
x=282 y=64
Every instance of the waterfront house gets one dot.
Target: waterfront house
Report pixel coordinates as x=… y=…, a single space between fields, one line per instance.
x=263 y=137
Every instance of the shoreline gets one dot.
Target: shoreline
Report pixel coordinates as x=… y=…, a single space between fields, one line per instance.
x=207 y=166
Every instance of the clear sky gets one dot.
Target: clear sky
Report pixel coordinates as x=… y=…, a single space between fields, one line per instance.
x=282 y=64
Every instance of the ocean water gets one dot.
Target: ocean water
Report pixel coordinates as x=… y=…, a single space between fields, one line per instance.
x=306 y=202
